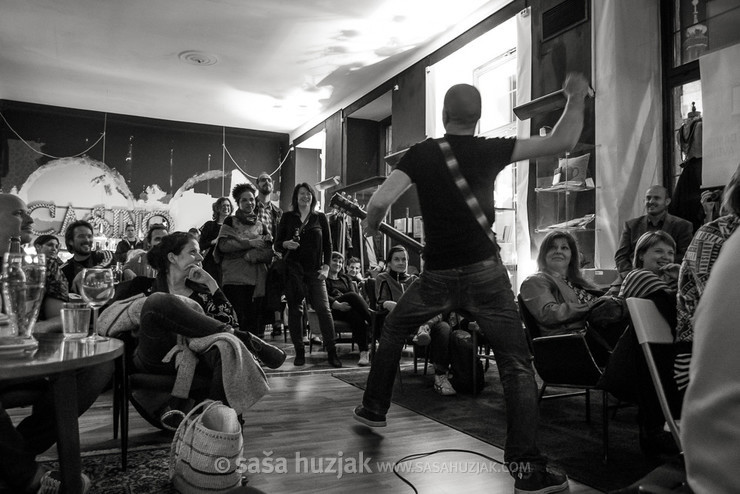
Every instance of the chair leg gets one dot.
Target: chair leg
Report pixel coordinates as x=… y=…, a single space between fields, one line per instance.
x=605 y=422
x=118 y=376
x=426 y=360
x=124 y=400
x=588 y=406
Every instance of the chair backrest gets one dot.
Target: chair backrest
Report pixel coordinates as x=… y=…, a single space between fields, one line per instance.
x=528 y=319
x=651 y=327
x=561 y=359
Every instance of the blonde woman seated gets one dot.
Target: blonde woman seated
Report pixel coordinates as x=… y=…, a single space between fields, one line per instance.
x=558 y=297
x=655 y=278
x=389 y=287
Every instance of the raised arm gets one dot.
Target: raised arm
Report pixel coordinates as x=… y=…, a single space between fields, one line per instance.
x=565 y=134
x=395 y=185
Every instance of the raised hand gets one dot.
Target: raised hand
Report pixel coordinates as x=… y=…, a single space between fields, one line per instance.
x=576 y=86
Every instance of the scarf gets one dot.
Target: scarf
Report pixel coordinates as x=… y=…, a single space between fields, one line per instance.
x=246 y=218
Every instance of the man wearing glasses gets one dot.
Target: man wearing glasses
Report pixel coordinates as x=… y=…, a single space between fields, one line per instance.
x=269 y=214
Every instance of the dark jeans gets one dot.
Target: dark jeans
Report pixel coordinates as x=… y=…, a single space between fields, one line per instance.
x=300 y=285
x=248 y=311
x=358 y=316
x=482 y=290
x=163 y=317
x=20 y=445
x=439 y=348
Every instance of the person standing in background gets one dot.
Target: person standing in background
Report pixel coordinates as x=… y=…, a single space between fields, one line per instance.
x=222 y=208
x=304 y=240
x=269 y=214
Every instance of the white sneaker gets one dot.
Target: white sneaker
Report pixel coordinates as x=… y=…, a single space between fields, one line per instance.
x=364 y=359
x=442 y=385
x=422 y=337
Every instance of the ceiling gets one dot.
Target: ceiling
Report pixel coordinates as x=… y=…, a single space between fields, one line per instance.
x=280 y=66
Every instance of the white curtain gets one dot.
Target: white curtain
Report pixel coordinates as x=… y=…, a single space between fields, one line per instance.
x=720 y=93
x=626 y=56
x=523 y=95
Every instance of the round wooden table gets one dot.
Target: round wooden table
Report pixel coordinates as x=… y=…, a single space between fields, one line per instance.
x=58 y=359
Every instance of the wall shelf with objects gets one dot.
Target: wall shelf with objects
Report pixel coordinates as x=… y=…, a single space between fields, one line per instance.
x=565 y=198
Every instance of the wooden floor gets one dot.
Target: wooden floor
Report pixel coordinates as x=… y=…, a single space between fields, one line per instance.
x=306 y=420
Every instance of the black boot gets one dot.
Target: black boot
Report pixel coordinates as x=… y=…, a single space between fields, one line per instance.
x=334 y=358
x=270 y=355
x=300 y=357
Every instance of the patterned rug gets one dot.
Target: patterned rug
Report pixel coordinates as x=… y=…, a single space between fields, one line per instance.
x=572 y=443
x=147 y=471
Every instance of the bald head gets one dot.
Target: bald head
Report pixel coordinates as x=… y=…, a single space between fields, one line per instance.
x=462 y=107
x=14 y=220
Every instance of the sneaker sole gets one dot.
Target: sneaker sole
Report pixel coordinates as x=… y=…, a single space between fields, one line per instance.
x=368 y=422
x=440 y=391
x=545 y=490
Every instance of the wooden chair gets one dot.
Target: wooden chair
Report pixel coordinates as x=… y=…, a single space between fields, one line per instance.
x=651 y=327
x=146 y=392
x=565 y=361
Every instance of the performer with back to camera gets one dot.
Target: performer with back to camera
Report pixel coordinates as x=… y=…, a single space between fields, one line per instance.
x=469 y=276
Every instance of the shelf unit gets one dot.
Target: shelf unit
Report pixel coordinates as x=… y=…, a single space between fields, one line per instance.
x=566 y=199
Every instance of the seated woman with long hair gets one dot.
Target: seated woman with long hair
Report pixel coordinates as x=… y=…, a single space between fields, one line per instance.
x=560 y=299
x=166 y=314
x=348 y=305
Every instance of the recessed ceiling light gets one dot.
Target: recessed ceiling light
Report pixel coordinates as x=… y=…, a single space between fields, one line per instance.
x=194 y=57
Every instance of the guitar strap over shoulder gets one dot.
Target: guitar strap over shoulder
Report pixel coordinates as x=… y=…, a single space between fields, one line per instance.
x=464 y=188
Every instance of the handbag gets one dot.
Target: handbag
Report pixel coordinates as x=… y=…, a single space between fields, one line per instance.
x=206 y=450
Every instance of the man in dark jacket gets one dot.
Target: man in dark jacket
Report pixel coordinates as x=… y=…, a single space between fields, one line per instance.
x=657 y=218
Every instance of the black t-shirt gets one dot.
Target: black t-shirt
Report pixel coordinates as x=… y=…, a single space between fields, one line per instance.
x=453 y=237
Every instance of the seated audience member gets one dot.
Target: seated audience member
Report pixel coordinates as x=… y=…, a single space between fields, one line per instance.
x=56 y=291
x=347 y=305
x=560 y=299
x=354 y=270
x=165 y=316
x=137 y=264
x=657 y=218
x=440 y=334
x=390 y=285
x=654 y=278
x=19 y=445
x=127 y=243
x=710 y=429
x=243 y=248
x=79 y=240
x=696 y=269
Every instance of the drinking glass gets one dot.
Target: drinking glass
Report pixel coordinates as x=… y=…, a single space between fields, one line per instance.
x=97 y=289
x=23 y=280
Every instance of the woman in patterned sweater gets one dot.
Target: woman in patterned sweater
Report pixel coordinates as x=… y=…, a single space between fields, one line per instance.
x=697 y=264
